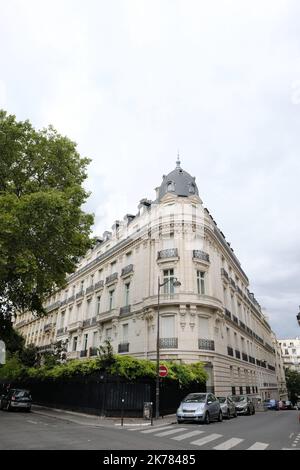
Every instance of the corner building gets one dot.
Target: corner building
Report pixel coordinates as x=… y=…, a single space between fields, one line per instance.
x=212 y=317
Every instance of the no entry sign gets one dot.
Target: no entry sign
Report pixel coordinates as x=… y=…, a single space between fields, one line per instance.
x=163 y=371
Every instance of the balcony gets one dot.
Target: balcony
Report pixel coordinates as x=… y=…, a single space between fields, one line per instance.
x=127 y=270
x=71 y=299
x=74 y=326
x=90 y=289
x=239 y=291
x=86 y=323
x=46 y=348
x=206 y=344
x=201 y=255
x=62 y=331
x=94 y=321
x=237 y=354
x=232 y=283
x=48 y=327
x=272 y=368
x=168 y=343
x=79 y=294
x=73 y=355
x=53 y=306
x=93 y=352
x=125 y=310
x=229 y=351
x=99 y=285
x=252 y=359
x=112 y=278
x=235 y=319
x=83 y=353
x=169 y=253
x=242 y=325
x=227 y=313
x=63 y=302
x=123 y=347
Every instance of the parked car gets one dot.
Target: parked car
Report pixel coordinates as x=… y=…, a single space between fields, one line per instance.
x=282 y=405
x=199 y=407
x=271 y=404
x=228 y=407
x=289 y=405
x=298 y=405
x=244 y=404
x=16 y=398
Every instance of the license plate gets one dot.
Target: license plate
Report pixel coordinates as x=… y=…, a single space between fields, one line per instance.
x=22 y=404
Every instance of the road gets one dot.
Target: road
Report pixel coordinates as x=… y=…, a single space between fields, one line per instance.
x=263 y=431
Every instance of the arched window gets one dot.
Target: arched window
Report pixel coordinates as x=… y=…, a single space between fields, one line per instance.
x=191 y=188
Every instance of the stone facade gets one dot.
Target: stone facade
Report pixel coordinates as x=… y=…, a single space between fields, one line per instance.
x=212 y=317
x=290 y=350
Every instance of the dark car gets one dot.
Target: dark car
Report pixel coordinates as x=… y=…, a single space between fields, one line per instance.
x=272 y=404
x=244 y=405
x=228 y=407
x=16 y=398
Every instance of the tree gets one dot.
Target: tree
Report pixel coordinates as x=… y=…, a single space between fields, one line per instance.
x=29 y=357
x=14 y=342
x=106 y=356
x=293 y=384
x=44 y=231
x=57 y=356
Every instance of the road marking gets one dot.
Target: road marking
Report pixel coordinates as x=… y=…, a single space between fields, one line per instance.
x=205 y=440
x=291 y=435
x=167 y=433
x=234 y=441
x=187 y=435
x=258 y=446
x=32 y=422
x=155 y=429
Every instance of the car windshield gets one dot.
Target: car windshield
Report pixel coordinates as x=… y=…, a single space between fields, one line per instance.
x=21 y=393
x=221 y=399
x=238 y=398
x=195 y=397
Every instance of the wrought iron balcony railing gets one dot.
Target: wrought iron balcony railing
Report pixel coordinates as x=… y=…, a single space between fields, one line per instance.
x=224 y=273
x=198 y=254
x=83 y=353
x=99 y=285
x=168 y=343
x=123 y=347
x=207 y=344
x=89 y=289
x=125 y=310
x=169 y=253
x=227 y=313
x=113 y=277
x=93 y=352
x=127 y=270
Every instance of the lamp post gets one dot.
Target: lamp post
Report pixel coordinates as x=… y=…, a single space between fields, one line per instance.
x=175 y=283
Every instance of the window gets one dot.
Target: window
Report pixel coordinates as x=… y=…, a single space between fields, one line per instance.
x=111 y=299
x=88 y=308
x=203 y=328
x=241 y=390
x=171 y=186
x=81 y=286
x=167 y=326
x=100 y=274
x=169 y=286
x=75 y=339
x=92 y=280
x=113 y=267
x=125 y=333
x=128 y=257
x=127 y=291
x=201 y=282
x=108 y=333
x=191 y=188
x=85 y=342
x=62 y=319
x=98 y=304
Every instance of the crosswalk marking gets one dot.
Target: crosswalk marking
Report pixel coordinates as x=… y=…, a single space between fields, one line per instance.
x=187 y=435
x=172 y=431
x=258 y=446
x=156 y=428
x=234 y=441
x=205 y=440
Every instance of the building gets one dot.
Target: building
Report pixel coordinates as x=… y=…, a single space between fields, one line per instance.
x=212 y=317
x=290 y=350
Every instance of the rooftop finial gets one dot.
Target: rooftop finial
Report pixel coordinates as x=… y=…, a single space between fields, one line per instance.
x=178 y=160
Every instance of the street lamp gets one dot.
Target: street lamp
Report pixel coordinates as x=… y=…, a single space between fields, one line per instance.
x=174 y=281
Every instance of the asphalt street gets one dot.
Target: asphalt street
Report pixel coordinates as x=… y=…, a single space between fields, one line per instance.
x=263 y=431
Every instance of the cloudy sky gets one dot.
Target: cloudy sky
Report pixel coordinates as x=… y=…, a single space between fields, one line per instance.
x=132 y=81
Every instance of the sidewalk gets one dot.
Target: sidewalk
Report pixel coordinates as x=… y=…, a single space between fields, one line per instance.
x=98 y=421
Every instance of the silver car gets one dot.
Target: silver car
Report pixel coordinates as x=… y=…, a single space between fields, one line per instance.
x=228 y=407
x=199 y=407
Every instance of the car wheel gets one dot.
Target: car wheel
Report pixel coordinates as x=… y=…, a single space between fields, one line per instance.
x=235 y=414
x=179 y=422
x=248 y=411
x=206 y=418
x=8 y=408
x=220 y=417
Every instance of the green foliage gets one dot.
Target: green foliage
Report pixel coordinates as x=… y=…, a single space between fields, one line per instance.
x=14 y=342
x=13 y=369
x=29 y=356
x=122 y=366
x=293 y=384
x=43 y=229
x=106 y=356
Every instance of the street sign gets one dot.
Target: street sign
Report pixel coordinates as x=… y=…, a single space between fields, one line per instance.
x=163 y=371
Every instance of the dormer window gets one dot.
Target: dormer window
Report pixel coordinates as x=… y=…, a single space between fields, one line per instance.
x=191 y=188
x=171 y=186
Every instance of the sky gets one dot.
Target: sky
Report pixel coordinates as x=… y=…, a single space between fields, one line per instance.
x=134 y=81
